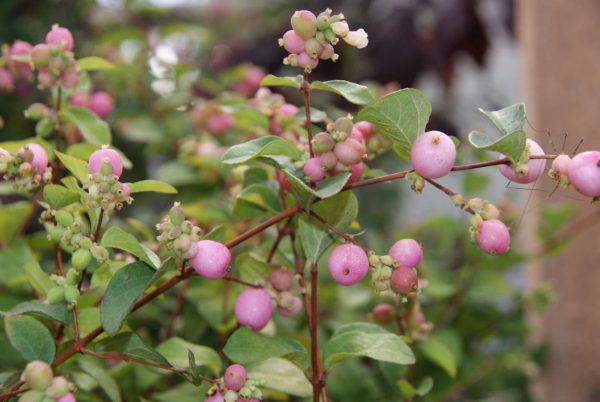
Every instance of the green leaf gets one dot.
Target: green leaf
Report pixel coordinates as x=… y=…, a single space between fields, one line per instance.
x=281 y=375
x=354 y=93
x=116 y=237
x=369 y=342
x=511 y=145
x=440 y=354
x=401 y=115
x=39 y=280
x=93 y=129
x=306 y=195
x=152 y=185
x=364 y=327
x=122 y=291
x=509 y=119
x=58 y=312
x=30 y=337
x=245 y=346
x=406 y=389
x=12 y=217
x=255 y=200
x=176 y=351
x=260 y=147
x=94 y=63
x=425 y=386
x=273 y=81
x=78 y=167
x=102 y=376
x=130 y=344
x=59 y=196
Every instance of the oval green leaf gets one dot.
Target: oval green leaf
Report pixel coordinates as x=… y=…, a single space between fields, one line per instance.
x=30 y=337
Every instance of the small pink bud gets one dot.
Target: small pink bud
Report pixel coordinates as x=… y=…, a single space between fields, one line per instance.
x=584 y=173
x=288 y=110
x=433 y=154
x=404 y=280
x=211 y=260
x=97 y=160
x=45 y=79
x=383 y=313
x=21 y=48
x=253 y=308
x=560 y=164
x=281 y=279
x=406 y=252
x=40 y=157
x=235 y=377
x=101 y=103
x=327 y=52
x=366 y=129
x=348 y=264
x=493 y=237
x=40 y=55
x=313 y=170
x=61 y=37
x=66 y=398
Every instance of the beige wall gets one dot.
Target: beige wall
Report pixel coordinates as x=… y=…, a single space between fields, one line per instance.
x=560 y=44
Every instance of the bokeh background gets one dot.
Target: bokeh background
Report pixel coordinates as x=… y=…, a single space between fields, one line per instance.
x=463 y=54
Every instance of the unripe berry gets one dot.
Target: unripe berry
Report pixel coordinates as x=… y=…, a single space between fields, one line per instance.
x=45 y=79
x=304 y=23
x=322 y=142
x=323 y=21
x=281 y=279
x=313 y=170
x=230 y=396
x=40 y=158
x=40 y=55
x=37 y=375
x=493 y=237
x=304 y=61
x=101 y=103
x=584 y=173
x=356 y=172
x=293 y=305
x=328 y=52
x=219 y=123
x=32 y=396
x=560 y=165
x=61 y=37
x=55 y=295
x=21 y=48
x=211 y=260
x=433 y=154
x=217 y=397
x=532 y=170
x=343 y=125
x=64 y=218
x=71 y=294
x=60 y=387
x=349 y=151
x=235 y=377
x=73 y=276
x=406 y=252
x=44 y=127
x=81 y=259
x=67 y=398
x=348 y=264
x=97 y=160
x=253 y=308
x=404 y=280
x=383 y=313
x=292 y=42
x=313 y=48
x=328 y=160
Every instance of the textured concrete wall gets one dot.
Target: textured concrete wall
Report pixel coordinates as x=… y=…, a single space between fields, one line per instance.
x=560 y=44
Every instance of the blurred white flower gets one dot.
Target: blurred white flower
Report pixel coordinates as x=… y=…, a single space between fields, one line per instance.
x=358 y=39
x=340 y=28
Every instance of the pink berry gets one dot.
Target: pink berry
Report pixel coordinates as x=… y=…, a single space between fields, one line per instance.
x=365 y=128
x=101 y=103
x=493 y=237
x=61 y=37
x=79 y=99
x=235 y=377
x=21 y=48
x=383 y=313
x=281 y=279
x=288 y=110
x=217 y=397
x=69 y=79
x=560 y=164
x=253 y=308
x=6 y=80
x=349 y=151
x=40 y=157
x=219 y=123
x=348 y=264
x=328 y=160
x=327 y=52
x=97 y=160
x=211 y=260
x=292 y=42
x=357 y=135
x=356 y=172
x=404 y=280
x=66 y=398
x=407 y=252
x=313 y=170
x=534 y=168
x=323 y=142
x=304 y=60
x=433 y=154
x=584 y=173
x=293 y=305
x=45 y=79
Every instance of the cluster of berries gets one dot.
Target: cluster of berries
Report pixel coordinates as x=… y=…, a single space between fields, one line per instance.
x=99 y=102
x=28 y=167
x=583 y=172
x=235 y=386
x=250 y=80
x=413 y=320
x=280 y=114
x=178 y=234
x=312 y=38
x=43 y=386
x=104 y=188
x=46 y=118
x=208 y=116
x=254 y=307
x=339 y=149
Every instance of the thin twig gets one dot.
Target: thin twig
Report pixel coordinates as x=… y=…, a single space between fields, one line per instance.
x=59 y=261
x=305 y=88
x=449 y=193
x=177 y=310
x=99 y=225
x=335 y=230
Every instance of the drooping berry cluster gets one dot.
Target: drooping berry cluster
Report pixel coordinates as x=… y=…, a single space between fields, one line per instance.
x=27 y=168
x=280 y=114
x=235 y=386
x=43 y=386
x=104 y=188
x=178 y=234
x=412 y=319
x=312 y=38
x=209 y=117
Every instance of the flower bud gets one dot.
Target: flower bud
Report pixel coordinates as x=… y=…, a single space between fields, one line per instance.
x=358 y=39
x=304 y=23
x=323 y=21
x=373 y=260
x=176 y=214
x=340 y=28
x=387 y=260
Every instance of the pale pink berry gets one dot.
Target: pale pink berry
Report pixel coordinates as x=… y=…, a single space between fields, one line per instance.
x=292 y=42
x=44 y=78
x=235 y=377
x=69 y=79
x=281 y=279
x=250 y=82
x=433 y=154
x=304 y=23
x=40 y=157
x=356 y=172
x=21 y=48
x=348 y=264
x=493 y=237
x=79 y=99
x=290 y=306
x=404 y=280
x=560 y=165
x=406 y=252
x=6 y=80
x=37 y=375
x=97 y=160
x=327 y=52
x=288 y=110
x=328 y=160
x=323 y=142
x=211 y=260
x=365 y=128
x=217 y=397
x=584 y=173
x=101 y=103
x=40 y=55
x=356 y=134
x=304 y=60
x=383 y=313
x=313 y=170
x=349 y=151
x=253 y=308
x=533 y=169
x=219 y=123
x=61 y=37
x=66 y=398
